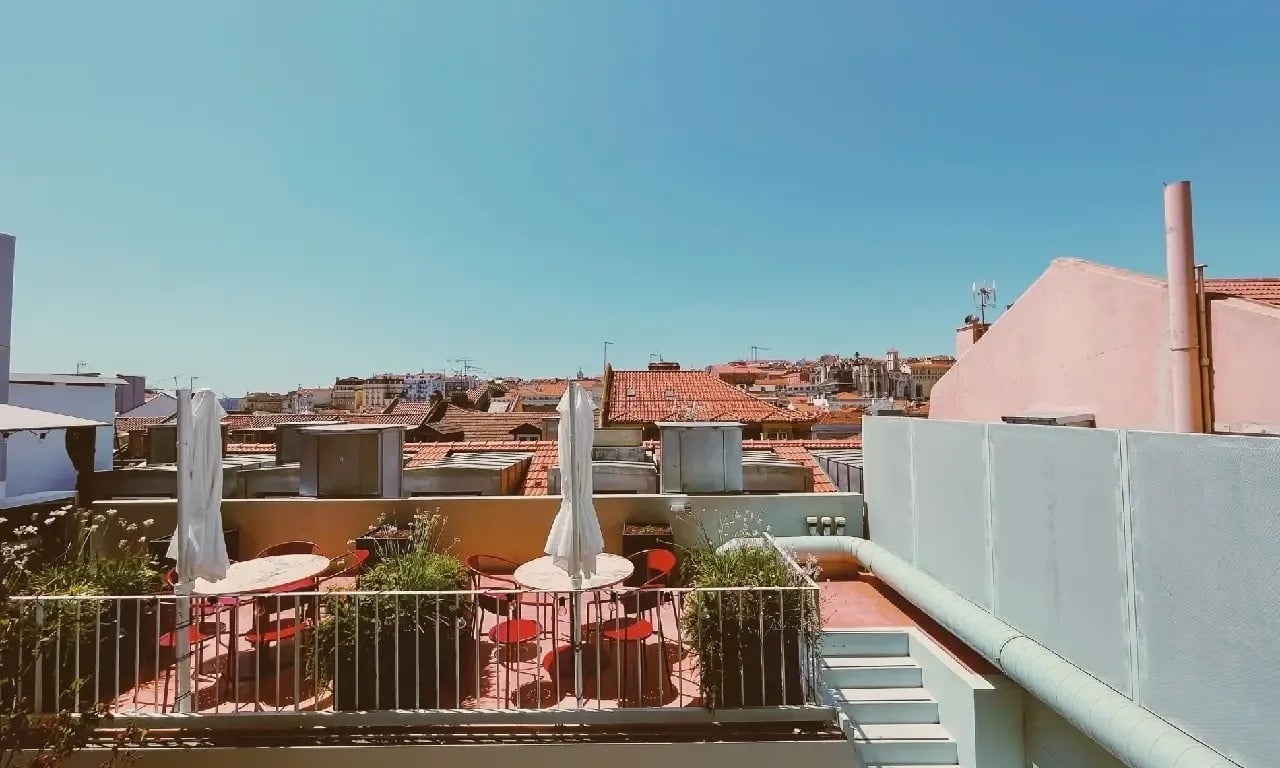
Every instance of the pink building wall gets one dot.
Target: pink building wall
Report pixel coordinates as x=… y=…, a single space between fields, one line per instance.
x=1246 y=362
x=1087 y=338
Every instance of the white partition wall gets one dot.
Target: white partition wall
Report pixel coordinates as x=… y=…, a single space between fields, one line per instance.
x=1149 y=560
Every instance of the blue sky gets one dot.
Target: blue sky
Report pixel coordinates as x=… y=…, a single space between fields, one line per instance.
x=268 y=194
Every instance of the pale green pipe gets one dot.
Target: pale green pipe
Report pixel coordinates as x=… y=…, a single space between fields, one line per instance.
x=1135 y=736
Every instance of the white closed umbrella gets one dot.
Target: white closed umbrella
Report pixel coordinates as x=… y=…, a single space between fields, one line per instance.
x=575 y=540
x=198 y=545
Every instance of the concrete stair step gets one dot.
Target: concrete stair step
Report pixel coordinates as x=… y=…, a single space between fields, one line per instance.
x=858 y=695
x=866 y=642
x=898 y=744
x=871 y=672
x=920 y=711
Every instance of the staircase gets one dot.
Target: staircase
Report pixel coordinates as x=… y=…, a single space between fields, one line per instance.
x=884 y=709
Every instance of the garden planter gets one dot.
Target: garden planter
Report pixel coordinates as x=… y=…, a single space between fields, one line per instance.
x=753 y=669
x=383 y=547
x=410 y=675
x=744 y=662
x=638 y=537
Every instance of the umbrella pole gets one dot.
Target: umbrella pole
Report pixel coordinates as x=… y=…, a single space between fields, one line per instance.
x=182 y=590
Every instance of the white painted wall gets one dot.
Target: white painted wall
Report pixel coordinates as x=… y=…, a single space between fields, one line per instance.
x=161 y=406
x=36 y=465
x=1147 y=559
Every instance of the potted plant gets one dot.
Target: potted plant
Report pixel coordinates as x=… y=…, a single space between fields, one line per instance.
x=750 y=643
x=94 y=643
x=385 y=539
x=398 y=651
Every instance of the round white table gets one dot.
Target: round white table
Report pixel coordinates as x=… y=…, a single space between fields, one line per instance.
x=263 y=574
x=544 y=574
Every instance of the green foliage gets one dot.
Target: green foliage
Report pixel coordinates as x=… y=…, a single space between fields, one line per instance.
x=728 y=625
x=354 y=625
x=54 y=627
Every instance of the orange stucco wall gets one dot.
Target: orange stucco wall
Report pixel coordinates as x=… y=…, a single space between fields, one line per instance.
x=1087 y=338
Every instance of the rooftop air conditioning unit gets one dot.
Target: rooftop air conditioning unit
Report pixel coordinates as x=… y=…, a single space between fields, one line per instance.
x=162 y=443
x=701 y=457
x=352 y=461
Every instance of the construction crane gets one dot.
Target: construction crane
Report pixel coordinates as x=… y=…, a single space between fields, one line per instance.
x=755 y=352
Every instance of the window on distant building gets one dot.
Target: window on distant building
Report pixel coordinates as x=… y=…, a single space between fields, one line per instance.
x=526 y=438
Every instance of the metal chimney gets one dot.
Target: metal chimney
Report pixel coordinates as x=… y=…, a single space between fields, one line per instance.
x=1184 y=344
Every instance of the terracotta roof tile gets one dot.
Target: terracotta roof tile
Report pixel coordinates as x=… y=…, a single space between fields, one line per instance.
x=641 y=397
x=1265 y=290
x=477 y=425
x=411 y=406
x=849 y=416
x=407 y=419
x=272 y=419
x=535 y=480
x=242 y=448
x=126 y=424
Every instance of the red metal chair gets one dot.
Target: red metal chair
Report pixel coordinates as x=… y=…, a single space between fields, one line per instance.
x=494 y=572
x=169 y=642
x=291 y=548
x=508 y=636
x=657 y=565
x=622 y=632
x=345 y=566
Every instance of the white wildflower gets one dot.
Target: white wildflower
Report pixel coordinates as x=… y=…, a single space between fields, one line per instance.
x=99 y=518
x=142 y=539
x=49 y=521
x=123 y=543
x=131 y=527
x=26 y=530
x=112 y=513
x=148 y=523
x=3 y=520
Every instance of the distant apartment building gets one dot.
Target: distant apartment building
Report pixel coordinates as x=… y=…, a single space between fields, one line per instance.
x=380 y=390
x=307 y=399
x=265 y=402
x=422 y=386
x=345 y=392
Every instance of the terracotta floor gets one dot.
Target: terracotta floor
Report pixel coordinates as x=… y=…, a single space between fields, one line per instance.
x=867 y=603
x=648 y=672
x=654 y=671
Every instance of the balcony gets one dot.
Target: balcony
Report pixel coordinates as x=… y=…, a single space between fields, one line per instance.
x=342 y=656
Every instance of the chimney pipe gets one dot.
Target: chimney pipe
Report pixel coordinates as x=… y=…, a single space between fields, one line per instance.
x=1184 y=347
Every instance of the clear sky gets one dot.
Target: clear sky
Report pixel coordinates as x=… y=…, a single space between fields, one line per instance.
x=265 y=194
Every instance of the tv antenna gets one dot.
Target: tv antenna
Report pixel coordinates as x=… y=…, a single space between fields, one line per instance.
x=984 y=298
x=755 y=352
x=467 y=367
x=80 y=366
x=657 y=355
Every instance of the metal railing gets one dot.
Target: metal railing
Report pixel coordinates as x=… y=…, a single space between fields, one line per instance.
x=462 y=655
